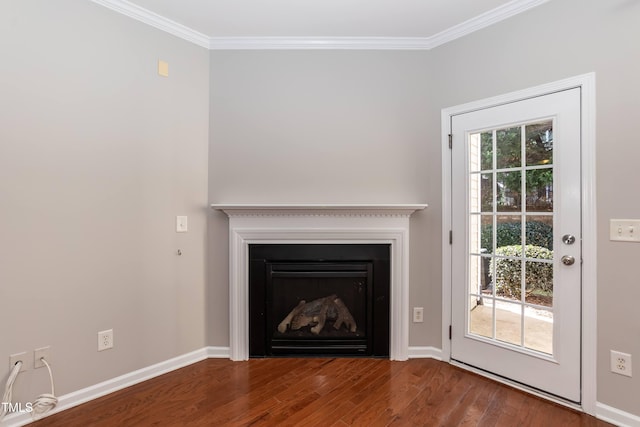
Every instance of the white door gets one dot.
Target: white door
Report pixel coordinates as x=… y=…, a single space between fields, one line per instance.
x=516 y=244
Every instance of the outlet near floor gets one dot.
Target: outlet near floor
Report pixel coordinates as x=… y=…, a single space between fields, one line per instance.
x=105 y=340
x=418 y=314
x=26 y=359
x=621 y=363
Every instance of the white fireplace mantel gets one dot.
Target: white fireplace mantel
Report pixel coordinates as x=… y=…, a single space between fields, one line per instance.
x=317 y=224
x=317 y=209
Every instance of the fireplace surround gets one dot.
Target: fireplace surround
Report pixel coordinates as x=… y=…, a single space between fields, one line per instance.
x=319 y=300
x=318 y=224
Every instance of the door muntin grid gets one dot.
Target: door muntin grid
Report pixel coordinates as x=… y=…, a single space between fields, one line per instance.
x=510 y=219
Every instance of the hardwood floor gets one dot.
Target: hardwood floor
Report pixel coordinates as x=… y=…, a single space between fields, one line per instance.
x=319 y=392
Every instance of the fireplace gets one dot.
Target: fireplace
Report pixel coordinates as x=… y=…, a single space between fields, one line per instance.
x=319 y=299
x=318 y=224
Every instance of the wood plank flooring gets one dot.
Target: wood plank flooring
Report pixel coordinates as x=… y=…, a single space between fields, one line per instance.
x=319 y=392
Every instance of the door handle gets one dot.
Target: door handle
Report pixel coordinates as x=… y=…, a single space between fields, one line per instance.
x=568 y=260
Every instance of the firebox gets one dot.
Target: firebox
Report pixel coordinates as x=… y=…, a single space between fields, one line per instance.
x=319 y=300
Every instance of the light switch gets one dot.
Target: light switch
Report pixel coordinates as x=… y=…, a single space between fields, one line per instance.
x=163 y=68
x=624 y=230
x=181 y=224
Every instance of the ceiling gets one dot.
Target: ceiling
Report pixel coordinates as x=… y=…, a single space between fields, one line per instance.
x=211 y=21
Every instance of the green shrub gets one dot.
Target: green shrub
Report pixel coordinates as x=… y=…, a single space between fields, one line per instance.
x=509 y=233
x=508 y=272
x=539 y=234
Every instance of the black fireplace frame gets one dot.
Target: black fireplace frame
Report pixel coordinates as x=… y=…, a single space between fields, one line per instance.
x=357 y=260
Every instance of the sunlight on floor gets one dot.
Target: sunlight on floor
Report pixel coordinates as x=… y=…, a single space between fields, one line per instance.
x=538 y=325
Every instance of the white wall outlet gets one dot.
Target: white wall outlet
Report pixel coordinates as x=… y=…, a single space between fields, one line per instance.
x=181 y=224
x=624 y=230
x=621 y=363
x=418 y=314
x=25 y=358
x=39 y=354
x=105 y=340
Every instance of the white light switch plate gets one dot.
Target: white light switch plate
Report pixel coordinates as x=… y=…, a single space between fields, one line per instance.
x=624 y=230
x=181 y=224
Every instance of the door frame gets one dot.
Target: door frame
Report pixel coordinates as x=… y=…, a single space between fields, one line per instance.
x=586 y=83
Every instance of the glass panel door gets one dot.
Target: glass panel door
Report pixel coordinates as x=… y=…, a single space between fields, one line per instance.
x=515 y=193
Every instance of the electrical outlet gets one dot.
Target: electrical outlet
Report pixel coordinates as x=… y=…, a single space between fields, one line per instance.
x=621 y=363
x=418 y=314
x=39 y=354
x=105 y=340
x=25 y=358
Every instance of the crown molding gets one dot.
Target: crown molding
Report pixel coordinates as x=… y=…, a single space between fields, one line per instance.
x=479 y=22
x=160 y=22
x=484 y=20
x=319 y=43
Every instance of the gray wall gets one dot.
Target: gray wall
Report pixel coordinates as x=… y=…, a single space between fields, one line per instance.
x=97 y=156
x=319 y=126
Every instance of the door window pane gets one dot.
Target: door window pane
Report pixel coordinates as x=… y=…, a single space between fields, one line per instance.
x=538 y=330
x=481 y=319
x=540 y=190
x=486 y=195
x=538 y=278
x=475 y=275
x=539 y=143
x=509 y=322
x=475 y=153
x=486 y=231
x=508 y=151
x=474 y=192
x=475 y=234
x=508 y=191
x=539 y=231
x=507 y=277
x=487 y=150
x=509 y=231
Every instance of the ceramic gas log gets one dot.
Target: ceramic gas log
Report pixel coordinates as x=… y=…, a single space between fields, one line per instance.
x=316 y=313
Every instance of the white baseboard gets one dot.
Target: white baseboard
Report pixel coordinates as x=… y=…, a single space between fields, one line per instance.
x=425 y=352
x=101 y=389
x=616 y=416
x=218 y=352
